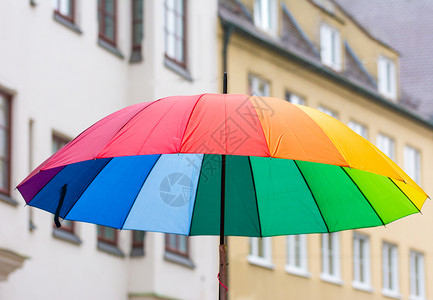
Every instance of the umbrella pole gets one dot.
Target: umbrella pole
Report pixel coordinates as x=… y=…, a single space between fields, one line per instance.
x=222 y=247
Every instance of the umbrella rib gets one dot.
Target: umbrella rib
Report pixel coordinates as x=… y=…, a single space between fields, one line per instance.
x=126 y=123
x=405 y=195
x=91 y=181
x=363 y=195
x=189 y=119
x=196 y=192
x=255 y=196
x=312 y=195
x=139 y=190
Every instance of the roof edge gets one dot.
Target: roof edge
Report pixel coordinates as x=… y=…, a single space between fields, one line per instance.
x=329 y=73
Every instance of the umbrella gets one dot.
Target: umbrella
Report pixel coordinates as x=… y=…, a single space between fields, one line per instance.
x=222 y=164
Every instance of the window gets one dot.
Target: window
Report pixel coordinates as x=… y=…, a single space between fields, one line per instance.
x=361 y=262
x=261 y=252
x=386 y=145
x=330 y=47
x=5 y=143
x=137 y=29
x=65 y=9
x=328 y=111
x=331 y=257
x=258 y=86
x=137 y=247
x=266 y=16
x=387 y=79
x=175 y=31
x=417 y=280
x=297 y=255
x=390 y=270
x=358 y=128
x=57 y=143
x=177 y=244
x=295 y=99
x=412 y=164
x=107 y=17
x=107 y=235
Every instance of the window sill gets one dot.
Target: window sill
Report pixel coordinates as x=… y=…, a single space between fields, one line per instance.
x=261 y=262
x=7 y=199
x=110 y=48
x=331 y=279
x=414 y=297
x=66 y=236
x=362 y=287
x=136 y=57
x=137 y=252
x=110 y=249
x=66 y=23
x=297 y=271
x=168 y=63
x=179 y=259
x=391 y=294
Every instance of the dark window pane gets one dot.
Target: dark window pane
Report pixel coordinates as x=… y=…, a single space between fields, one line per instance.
x=109 y=6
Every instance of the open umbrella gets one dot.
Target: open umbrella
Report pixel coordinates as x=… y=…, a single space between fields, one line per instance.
x=222 y=164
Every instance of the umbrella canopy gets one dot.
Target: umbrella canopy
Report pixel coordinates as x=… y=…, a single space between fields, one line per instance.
x=289 y=169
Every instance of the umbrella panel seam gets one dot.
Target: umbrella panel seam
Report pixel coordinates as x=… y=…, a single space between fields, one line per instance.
x=312 y=195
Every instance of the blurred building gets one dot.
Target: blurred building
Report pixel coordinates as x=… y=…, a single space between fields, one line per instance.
x=64 y=64
x=323 y=54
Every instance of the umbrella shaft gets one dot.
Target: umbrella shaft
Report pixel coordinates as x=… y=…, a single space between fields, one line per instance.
x=223 y=194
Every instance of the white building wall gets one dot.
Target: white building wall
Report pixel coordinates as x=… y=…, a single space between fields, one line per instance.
x=64 y=82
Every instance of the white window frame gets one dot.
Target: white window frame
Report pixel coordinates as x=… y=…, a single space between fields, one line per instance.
x=412 y=163
x=358 y=128
x=328 y=111
x=390 y=271
x=264 y=260
x=258 y=86
x=417 y=276
x=387 y=77
x=295 y=99
x=330 y=47
x=266 y=15
x=386 y=144
x=361 y=262
x=331 y=269
x=297 y=254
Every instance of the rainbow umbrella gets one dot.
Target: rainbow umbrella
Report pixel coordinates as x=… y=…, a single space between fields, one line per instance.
x=222 y=164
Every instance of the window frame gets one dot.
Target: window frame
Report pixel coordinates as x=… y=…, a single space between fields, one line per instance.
x=8 y=129
x=390 y=270
x=384 y=141
x=330 y=47
x=387 y=77
x=326 y=273
x=255 y=258
x=176 y=250
x=414 y=171
x=297 y=246
x=70 y=18
x=183 y=64
x=101 y=235
x=101 y=18
x=134 y=22
x=328 y=111
x=269 y=9
x=254 y=82
x=358 y=128
x=294 y=98
x=416 y=275
x=361 y=265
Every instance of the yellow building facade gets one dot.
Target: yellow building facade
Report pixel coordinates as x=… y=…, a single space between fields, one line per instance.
x=314 y=53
